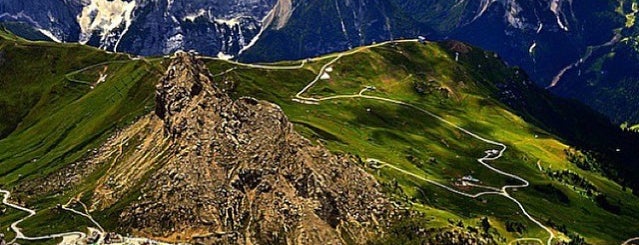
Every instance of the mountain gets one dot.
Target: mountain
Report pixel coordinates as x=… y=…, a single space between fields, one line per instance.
x=549 y=39
x=150 y=27
x=360 y=107
x=582 y=50
x=384 y=144
x=199 y=167
x=246 y=175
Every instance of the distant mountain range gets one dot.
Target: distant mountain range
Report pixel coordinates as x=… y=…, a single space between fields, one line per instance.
x=147 y=27
x=584 y=49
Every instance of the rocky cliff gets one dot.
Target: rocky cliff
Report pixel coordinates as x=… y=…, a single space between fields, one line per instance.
x=214 y=170
x=151 y=27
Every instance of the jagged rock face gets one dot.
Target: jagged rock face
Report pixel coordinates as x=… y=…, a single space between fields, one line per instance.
x=149 y=27
x=55 y=17
x=507 y=26
x=235 y=171
x=212 y=26
x=182 y=84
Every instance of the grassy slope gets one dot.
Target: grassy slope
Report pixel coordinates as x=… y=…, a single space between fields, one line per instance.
x=57 y=118
x=61 y=119
x=391 y=133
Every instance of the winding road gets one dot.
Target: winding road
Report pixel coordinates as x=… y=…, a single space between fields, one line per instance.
x=83 y=214
x=256 y=66
x=31 y=212
x=74 y=236
x=634 y=240
x=490 y=155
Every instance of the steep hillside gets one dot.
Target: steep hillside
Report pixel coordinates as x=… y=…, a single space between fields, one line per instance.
x=549 y=39
x=55 y=111
x=462 y=148
x=580 y=49
x=355 y=108
x=200 y=167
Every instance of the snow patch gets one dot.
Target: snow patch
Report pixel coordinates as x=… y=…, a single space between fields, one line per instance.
x=174 y=43
x=49 y=35
x=104 y=16
x=555 y=7
x=51 y=17
x=541 y=27
x=229 y=22
x=341 y=19
x=531 y=50
x=191 y=17
x=224 y=56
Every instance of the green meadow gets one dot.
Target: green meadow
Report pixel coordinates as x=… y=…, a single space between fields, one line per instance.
x=58 y=102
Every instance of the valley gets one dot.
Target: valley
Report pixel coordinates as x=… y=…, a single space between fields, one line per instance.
x=416 y=107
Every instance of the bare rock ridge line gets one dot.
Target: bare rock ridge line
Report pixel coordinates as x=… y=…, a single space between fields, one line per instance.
x=226 y=171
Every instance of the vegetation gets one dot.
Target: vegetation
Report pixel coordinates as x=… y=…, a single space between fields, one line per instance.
x=577 y=182
x=514 y=226
x=49 y=121
x=484 y=96
x=52 y=118
x=586 y=161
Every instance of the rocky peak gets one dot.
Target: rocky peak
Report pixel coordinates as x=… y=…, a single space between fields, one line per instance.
x=186 y=83
x=207 y=169
x=234 y=171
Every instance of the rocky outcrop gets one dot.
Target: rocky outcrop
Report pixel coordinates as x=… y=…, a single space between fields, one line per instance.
x=150 y=27
x=235 y=171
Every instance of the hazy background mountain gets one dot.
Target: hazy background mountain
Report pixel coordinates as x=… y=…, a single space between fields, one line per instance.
x=582 y=49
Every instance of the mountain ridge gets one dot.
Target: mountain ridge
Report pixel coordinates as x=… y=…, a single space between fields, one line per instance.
x=84 y=121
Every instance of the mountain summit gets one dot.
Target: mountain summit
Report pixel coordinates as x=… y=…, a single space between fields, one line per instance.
x=220 y=170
